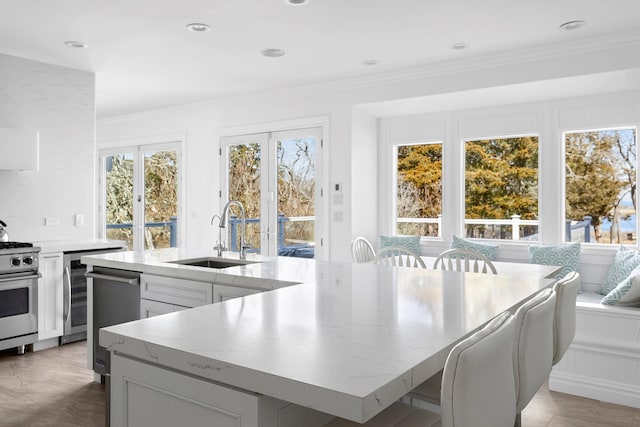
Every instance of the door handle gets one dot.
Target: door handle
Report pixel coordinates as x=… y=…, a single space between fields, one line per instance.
x=134 y=281
x=67 y=300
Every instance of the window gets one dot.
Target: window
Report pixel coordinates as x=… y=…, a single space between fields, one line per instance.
x=140 y=187
x=501 y=188
x=600 y=186
x=419 y=189
x=274 y=176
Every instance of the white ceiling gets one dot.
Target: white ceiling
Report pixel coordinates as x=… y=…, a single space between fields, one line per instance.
x=144 y=58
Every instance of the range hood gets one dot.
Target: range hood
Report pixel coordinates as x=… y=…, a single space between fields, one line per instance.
x=19 y=149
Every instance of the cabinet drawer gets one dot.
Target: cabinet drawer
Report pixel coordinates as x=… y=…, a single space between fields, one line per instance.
x=224 y=292
x=187 y=293
x=149 y=308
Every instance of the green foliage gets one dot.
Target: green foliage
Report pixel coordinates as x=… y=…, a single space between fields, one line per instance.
x=600 y=172
x=501 y=178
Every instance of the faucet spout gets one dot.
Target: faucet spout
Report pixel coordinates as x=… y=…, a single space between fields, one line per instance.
x=223 y=224
x=219 y=245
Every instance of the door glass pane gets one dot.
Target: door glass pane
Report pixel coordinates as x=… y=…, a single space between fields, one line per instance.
x=244 y=186
x=296 y=196
x=119 y=197
x=161 y=199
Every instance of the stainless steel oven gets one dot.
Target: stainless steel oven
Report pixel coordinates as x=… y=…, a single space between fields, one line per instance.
x=18 y=295
x=75 y=294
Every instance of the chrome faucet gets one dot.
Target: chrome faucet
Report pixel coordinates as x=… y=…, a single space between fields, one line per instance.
x=219 y=244
x=223 y=224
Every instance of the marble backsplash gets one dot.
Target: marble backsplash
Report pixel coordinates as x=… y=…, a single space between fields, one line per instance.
x=59 y=103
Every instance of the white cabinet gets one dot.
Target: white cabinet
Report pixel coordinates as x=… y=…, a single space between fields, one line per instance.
x=142 y=394
x=160 y=294
x=224 y=292
x=147 y=395
x=50 y=295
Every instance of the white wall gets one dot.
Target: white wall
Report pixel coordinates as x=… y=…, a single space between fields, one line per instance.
x=350 y=107
x=59 y=103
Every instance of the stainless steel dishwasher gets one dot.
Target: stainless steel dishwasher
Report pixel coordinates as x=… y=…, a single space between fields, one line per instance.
x=116 y=299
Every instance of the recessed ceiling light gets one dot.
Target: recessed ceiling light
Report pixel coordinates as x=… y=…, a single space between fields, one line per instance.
x=198 y=28
x=76 y=45
x=572 y=25
x=296 y=2
x=370 y=62
x=459 y=46
x=272 y=53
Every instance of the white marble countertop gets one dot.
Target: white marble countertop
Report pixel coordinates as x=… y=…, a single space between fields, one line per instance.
x=349 y=341
x=261 y=273
x=77 y=245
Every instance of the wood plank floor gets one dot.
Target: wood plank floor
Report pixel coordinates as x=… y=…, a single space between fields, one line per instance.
x=54 y=388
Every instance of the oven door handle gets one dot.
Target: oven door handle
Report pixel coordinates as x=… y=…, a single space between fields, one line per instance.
x=12 y=278
x=67 y=300
x=134 y=281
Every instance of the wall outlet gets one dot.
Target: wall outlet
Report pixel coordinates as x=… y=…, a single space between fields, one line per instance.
x=52 y=221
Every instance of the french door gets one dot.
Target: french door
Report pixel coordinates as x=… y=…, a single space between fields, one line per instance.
x=274 y=176
x=140 y=203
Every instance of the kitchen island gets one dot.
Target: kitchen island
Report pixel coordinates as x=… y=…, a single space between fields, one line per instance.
x=348 y=341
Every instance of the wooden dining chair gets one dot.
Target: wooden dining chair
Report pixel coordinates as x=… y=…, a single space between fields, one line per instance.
x=362 y=250
x=464 y=260
x=478 y=388
x=399 y=257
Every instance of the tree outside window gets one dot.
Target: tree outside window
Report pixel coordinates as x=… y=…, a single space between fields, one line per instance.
x=501 y=188
x=600 y=186
x=419 y=189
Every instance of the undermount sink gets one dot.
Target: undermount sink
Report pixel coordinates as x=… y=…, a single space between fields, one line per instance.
x=211 y=262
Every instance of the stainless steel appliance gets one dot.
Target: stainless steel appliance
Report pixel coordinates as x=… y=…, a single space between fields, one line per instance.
x=75 y=294
x=116 y=299
x=18 y=295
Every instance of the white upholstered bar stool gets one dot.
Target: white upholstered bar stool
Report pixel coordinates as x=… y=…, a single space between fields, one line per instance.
x=399 y=257
x=478 y=388
x=564 y=327
x=533 y=346
x=362 y=250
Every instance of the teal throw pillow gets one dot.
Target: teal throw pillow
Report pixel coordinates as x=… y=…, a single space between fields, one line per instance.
x=411 y=243
x=485 y=249
x=627 y=292
x=625 y=262
x=568 y=257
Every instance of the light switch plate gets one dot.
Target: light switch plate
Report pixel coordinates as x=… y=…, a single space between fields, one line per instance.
x=51 y=221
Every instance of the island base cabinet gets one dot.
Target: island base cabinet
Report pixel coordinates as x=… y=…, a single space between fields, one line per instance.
x=144 y=395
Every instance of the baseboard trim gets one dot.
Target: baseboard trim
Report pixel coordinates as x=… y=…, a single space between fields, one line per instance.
x=606 y=391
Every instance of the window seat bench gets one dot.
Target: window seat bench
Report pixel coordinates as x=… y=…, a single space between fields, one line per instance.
x=603 y=362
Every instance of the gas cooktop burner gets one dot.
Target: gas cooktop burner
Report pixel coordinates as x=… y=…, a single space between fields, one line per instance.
x=13 y=245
